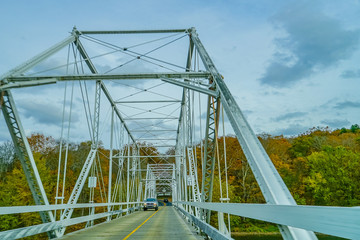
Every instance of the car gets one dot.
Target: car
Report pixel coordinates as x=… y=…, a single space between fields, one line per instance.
x=151 y=203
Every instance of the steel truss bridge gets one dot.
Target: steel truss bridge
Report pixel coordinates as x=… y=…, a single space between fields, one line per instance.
x=155 y=85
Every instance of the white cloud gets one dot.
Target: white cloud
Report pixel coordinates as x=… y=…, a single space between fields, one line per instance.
x=313 y=42
x=238 y=37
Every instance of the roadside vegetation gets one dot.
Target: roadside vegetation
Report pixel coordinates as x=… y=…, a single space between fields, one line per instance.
x=320 y=167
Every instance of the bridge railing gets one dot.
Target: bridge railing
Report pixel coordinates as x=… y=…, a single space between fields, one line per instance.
x=336 y=221
x=46 y=227
x=209 y=230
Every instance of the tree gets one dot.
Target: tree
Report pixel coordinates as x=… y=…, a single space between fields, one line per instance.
x=301 y=146
x=41 y=143
x=354 y=128
x=334 y=177
x=7 y=156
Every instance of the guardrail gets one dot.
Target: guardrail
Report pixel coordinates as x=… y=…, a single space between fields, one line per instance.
x=336 y=221
x=205 y=227
x=45 y=227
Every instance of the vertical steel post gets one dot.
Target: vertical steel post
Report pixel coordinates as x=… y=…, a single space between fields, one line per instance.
x=133 y=173
x=194 y=178
x=138 y=199
x=212 y=122
x=139 y=178
x=184 y=130
x=128 y=179
x=174 y=185
x=110 y=160
x=146 y=183
x=95 y=126
x=96 y=121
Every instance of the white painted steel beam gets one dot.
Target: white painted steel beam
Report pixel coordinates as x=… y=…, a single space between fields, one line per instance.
x=38 y=58
x=23 y=151
x=78 y=187
x=154 y=130
x=336 y=221
x=96 y=76
x=46 y=227
x=42 y=208
x=192 y=87
x=154 y=156
x=110 y=160
x=27 y=84
x=149 y=101
x=205 y=227
x=163 y=146
x=16 y=129
x=155 y=139
x=270 y=182
x=150 y=118
x=135 y=31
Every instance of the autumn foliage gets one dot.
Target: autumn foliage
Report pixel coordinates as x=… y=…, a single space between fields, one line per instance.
x=320 y=167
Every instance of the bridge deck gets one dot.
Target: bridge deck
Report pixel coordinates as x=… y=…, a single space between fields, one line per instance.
x=163 y=224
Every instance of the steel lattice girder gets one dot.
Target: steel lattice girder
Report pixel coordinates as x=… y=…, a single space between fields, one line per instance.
x=18 y=135
x=134 y=31
x=160 y=176
x=212 y=123
x=19 y=138
x=271 y=184
x=24 y=153
x=96 y=76
x=269 y=180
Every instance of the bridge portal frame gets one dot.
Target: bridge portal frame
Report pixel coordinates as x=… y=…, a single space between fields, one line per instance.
x=270 y=182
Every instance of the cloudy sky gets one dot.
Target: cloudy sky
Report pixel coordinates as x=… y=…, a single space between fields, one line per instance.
x=291 y=65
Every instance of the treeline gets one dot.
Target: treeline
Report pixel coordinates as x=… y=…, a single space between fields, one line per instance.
x=320 y=167
x=14 y=190
x=13 y=184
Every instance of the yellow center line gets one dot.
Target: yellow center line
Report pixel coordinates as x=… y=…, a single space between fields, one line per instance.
x=140 y=225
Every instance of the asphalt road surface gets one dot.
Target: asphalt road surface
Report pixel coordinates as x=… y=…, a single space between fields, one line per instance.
x=165 y=223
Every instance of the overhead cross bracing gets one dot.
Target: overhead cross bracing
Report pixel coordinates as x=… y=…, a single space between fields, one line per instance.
x=152 y=107
x=161 y=110
x=133 y=97
x=160 y=180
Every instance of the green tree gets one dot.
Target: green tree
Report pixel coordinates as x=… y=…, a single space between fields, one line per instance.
x=334 y=177
x=354 y=128
x=302 y=146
